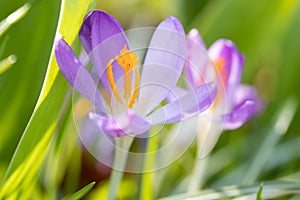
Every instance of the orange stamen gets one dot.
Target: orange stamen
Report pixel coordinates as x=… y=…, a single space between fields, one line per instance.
x=127 y=60
x=111 y=79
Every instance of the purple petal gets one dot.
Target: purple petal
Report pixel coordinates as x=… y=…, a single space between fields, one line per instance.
x=176 y=93
x=239 y=116
x=163 y=64
x=118 y=126
x=107 y=124
x=103 y=38
x=138 y=125
x=195 y=37
x=76 y=74
x=244 y=93
x=99 y=26
x=198 y=63
x=209 y=129
x=100 y=145
x=230 y=62
x=187 y=106
x=246 y=104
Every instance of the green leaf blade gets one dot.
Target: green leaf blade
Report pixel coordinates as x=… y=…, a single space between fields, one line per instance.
x=81 y=193
x=51 y=103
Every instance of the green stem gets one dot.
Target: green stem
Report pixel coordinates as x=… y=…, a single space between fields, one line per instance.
x=149 y=164
x=197 y=176
x=199 y=168
x=122 y=147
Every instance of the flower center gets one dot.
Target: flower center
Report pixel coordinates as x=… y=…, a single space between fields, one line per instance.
x=221 y=78
x=127 y=60
x=219 y=66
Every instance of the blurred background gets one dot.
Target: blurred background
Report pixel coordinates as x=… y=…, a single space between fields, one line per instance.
x=267 y=148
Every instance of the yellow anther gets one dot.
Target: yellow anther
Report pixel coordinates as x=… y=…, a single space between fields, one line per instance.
x=111 y=79
x=128 y=61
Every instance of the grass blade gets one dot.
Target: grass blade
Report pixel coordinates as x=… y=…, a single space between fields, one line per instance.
x=81 y=193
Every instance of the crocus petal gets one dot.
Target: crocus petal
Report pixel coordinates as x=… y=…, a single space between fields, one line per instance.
x=107 y=124
x=187 y=106
x=239 y=116
x=138 y=125
x=75 y=73
x=246 y=104
x=176 y=93
x=163 y=64
x=245 y=93
x=229 y=62
x=99 y=144
x=194 y=36
x=197 y=60
x=113 y=126
x=103 y=38
x=99 y=26
x=209 y=129
x=83 y=59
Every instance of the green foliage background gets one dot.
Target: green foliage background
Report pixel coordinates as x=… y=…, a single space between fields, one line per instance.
x=48 y=161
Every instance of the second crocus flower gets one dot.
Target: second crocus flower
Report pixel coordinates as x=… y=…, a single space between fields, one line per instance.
x=224 y=64
x=235 y=103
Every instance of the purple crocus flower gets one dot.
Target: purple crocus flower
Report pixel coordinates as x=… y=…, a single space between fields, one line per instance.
x=223 y=63
x=235 y=103
x=126 y=93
